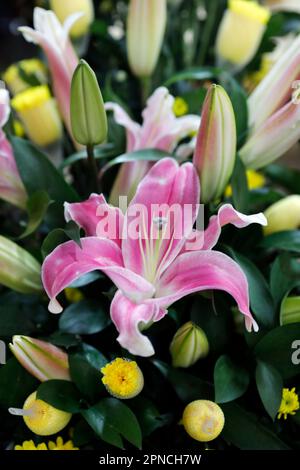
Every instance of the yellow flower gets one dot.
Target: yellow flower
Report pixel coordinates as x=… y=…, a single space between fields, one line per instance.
x=180 y=107
x=241 y=31
x=255 y=180
x=203 y=420
x=64 y=8
x=289 y=403
x=283 y=215
x=60 y=445
x=18 y=128
x=123 y=378
x=39 y=114
x=30 y=445
x=31 y=67
x=73 y=295
x=43 y=419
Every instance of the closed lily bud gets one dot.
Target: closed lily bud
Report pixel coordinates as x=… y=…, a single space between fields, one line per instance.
x=41 y=359
x=146 y=26
x=188 y=345
x=203 y=420
x=283 y=215
x=215 y=151
x=15 y=75
x=40 y=417
x=241 y=31
x=64 y=8
x=88 y=116
x=290 y=310
x=19 y=270
x=39 y=115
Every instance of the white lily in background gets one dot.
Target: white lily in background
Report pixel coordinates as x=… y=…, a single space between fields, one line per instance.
x=53 y=38
x=161 y=129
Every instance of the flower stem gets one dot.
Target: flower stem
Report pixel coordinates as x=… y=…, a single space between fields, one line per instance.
x=93 y=169
x=145 y=89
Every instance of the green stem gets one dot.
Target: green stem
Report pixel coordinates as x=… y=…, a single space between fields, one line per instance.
x=145 y=89
x=93 y=169
x=212 y=9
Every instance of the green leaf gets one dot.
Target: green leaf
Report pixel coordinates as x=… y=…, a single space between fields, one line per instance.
x=86 y=378
x=72 y=230
x=61 y=394
x=94 y=357
x=21 y=314
x=187 y=386
x=16 y=384
x=286 y=177
x=275 y=348
x=151 y=155
x=60 y=235
x=200 y=73
x=261 y=301
x=244 y=430
x=285 y=276
x=37 y=206
x=39 y=174
x=269 y=384
x=239 y=102
x=148 y=415
x=86 y=317
x=105 y=151
x=231 y=381
x=111 y=419
x=289 y=241
x=239 y=184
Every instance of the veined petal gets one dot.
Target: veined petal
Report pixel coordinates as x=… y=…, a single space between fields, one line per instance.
x=228 y=215
x=68 y=262
x=274 y=138
x=96 y=217
x=132 y=128
x=204 y=270
x=129 y=319
x=165 y=208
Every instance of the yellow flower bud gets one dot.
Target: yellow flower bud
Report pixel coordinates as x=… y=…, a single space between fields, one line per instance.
x=30 y=67
x=39 y=115
x=88 y=116
x=43 y=419
x=65 y=8
x=188 y=345
x=19 y=270
x=203 y=420
x=123 y=378
x=283 y=215
x=241 y=31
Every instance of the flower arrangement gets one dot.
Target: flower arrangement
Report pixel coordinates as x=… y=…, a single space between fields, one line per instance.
x=149 y=227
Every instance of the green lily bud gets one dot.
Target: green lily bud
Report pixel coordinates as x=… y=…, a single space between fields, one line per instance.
x=290 y=310
x=19 y=270
x=88 y=116
x=188 y=345
x=41 y=359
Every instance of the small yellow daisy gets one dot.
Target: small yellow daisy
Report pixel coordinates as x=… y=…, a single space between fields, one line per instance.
x=180 y=107
x=289 y=403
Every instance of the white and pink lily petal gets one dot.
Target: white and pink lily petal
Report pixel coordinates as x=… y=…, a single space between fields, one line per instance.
x=149 y=265
x=53 y=38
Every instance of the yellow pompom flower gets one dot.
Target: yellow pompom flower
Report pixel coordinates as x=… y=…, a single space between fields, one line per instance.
x=59 y=444
x=180 y=107
x=30 y=445
x=32 y=67
x=123 y=378
x=203 y=420
x=39 y=115
x=255 y=180
x=241 y=31
x=42 y=418
x=73 y=295
x=289 y=403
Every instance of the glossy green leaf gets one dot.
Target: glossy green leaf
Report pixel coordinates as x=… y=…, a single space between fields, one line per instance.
x=287 y=241
x=84 y=318
x=240 y=192
x=86 y=378
x=231 y=381
x=269 y=384
x=37 y=206
x=16 y=384
x=61 y=394
x=151 y=155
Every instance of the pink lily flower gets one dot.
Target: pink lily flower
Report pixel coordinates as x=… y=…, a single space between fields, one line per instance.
x=161 y=129
x=150 y=270
x=11 y=186
x=53 y=38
